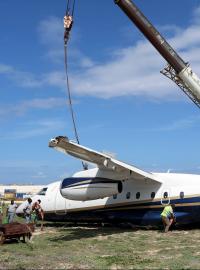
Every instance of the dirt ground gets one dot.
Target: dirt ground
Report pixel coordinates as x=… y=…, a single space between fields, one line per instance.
x=95 y=247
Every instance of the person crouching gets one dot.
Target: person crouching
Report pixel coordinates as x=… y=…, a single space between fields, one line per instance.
x=168 y=216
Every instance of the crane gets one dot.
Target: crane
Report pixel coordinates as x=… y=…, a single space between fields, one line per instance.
x=177 y=69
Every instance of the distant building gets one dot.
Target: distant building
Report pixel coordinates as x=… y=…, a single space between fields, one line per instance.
x=18 y=192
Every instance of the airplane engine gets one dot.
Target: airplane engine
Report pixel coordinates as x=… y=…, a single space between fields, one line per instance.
x=90 y=189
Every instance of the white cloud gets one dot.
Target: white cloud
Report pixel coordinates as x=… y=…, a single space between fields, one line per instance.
x=187 y=39
x=56 y=79
x=33 y=129
x=196 y=18
x=169 y=29
x=180 y=124
x=24 y=106
x=51 y=35
x=130 y=71
x=51 y=31
x=5 y=69
x=135 y=70
x=24 y=79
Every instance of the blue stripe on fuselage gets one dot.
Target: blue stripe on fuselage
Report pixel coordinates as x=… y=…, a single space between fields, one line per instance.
x=78 y=181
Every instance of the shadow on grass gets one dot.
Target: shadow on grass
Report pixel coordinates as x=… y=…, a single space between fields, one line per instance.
x=125 y=225
x=77 y=233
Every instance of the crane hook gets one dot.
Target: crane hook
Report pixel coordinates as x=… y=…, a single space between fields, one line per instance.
x=68 y=22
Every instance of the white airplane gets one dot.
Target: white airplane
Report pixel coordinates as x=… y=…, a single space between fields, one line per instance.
x=117 y=192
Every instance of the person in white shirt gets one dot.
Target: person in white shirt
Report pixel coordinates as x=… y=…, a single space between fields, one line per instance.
x=28 y=210
x=11 y=210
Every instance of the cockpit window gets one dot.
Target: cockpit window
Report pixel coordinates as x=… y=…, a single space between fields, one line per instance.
x=42 y=191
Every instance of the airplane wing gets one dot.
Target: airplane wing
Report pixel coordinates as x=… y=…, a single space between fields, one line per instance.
x=104 y=161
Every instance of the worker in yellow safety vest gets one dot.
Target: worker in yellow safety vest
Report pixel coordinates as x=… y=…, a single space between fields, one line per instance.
x=168 y=217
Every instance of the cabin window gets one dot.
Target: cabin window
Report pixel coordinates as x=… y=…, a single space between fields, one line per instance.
x=153 y=195
x=165 y=195
x=182 y=195
x=137 y=195
x=128 y=195
x=115 y=196
x=42 y=191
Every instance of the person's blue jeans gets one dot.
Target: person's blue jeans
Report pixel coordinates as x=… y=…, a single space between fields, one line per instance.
x=28 y=218
x=10 y=217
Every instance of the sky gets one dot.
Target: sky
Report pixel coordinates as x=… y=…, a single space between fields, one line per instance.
x=122 y=104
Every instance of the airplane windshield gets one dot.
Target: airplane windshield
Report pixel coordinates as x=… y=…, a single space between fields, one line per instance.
x=42 y=191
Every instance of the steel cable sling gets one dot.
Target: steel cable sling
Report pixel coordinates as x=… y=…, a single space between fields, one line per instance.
x=68 y=22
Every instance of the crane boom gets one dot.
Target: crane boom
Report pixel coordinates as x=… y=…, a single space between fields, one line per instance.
x=177 y=70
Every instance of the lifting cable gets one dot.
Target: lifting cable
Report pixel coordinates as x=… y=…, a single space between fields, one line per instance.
x=68 y=22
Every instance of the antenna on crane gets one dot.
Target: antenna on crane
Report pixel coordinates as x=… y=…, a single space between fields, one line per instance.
x=68 y=23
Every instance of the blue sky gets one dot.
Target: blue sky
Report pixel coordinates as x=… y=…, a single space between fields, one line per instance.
x=122 y=103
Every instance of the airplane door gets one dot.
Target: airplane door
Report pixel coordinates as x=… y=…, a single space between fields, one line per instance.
x=60 y=204
x=165 y=196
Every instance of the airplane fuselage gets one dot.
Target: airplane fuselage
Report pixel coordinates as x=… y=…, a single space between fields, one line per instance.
x=140 y=201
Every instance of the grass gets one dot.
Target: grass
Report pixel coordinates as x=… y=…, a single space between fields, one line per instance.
x=62 y=247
